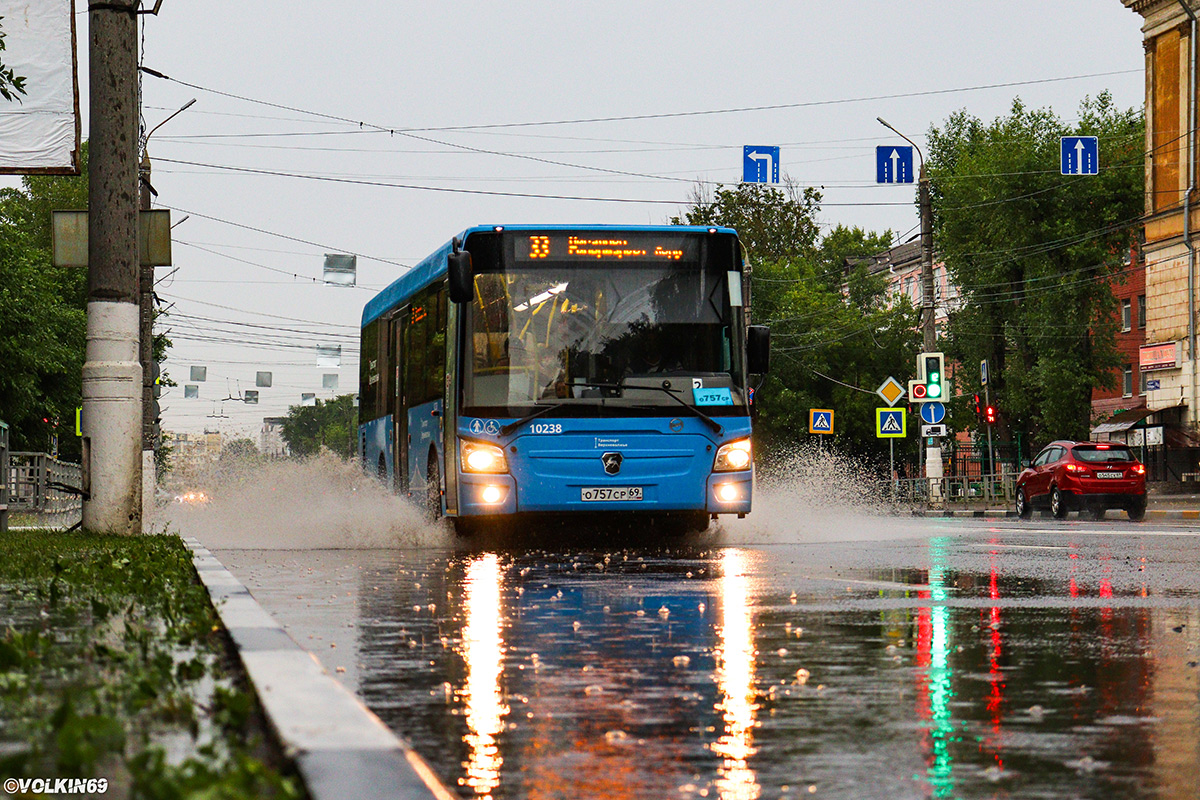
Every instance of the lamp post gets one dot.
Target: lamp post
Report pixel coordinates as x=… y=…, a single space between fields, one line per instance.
x=146 y=338
x=933 y=450
x=926 y=204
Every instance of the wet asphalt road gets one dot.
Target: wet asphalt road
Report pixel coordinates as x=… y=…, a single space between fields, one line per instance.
x=847 y=658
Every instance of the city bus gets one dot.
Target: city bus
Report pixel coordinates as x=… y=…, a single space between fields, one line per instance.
x=550 y=370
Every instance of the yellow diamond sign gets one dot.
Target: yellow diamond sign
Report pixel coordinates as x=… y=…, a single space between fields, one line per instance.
x=891 y=391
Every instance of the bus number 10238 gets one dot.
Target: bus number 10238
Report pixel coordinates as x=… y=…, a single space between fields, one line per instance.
x=546 y=427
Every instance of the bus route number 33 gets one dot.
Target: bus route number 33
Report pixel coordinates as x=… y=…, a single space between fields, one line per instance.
x=546 y=427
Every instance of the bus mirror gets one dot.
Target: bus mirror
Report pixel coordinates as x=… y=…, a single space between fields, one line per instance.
x=758 y=349
x=462 y=284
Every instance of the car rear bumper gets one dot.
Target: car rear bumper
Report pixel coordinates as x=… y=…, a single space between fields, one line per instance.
x=1077 y=501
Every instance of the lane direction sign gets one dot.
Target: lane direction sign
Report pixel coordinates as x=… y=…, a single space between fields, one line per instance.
x=891 y=391
x=820 y=420
x=1079 y=155
x=933 y=413
x=890 y=423
x=760 y=164
x=893 y=164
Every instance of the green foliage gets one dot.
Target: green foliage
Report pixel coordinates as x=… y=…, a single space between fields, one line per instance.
x=830 y=321
x=11 y=84
x=331 y=423
x=43 y=320
x=1033 y=252
x=111 y=648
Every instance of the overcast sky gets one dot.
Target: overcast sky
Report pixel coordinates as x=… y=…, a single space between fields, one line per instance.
x=251 y=251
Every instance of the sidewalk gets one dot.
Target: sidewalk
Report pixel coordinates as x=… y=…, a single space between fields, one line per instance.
x=1159 y=507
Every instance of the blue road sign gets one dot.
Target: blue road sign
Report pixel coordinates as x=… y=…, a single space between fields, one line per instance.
x=889 y=423
x=1080 y=155
x=760 y=164
x=893 y=164
x=933 y=413
x=820 y=420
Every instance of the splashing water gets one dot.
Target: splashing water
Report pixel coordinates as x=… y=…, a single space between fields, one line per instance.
x=319 y=502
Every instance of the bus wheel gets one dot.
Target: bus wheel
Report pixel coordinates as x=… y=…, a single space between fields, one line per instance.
x=382 y=470
x=433 y=490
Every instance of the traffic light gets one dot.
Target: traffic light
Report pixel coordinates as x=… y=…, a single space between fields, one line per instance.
x=990 y=415
x=978 y=407
x=935 y=379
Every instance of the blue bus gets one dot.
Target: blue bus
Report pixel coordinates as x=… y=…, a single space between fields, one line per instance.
x=549 y=370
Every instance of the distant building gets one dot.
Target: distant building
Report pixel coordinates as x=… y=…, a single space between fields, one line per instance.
x=1129 y=394
x=271 y=442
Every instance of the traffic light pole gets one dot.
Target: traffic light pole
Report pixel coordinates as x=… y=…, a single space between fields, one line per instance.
x=987 y=399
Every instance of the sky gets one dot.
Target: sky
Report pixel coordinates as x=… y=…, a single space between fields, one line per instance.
x=384 y=128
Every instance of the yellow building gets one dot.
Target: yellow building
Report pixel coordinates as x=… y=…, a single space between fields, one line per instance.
x=1168 y=360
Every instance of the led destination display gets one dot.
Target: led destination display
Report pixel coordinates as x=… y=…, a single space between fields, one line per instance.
x=603 y=247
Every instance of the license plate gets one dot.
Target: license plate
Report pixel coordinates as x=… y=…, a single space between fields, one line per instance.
x=610 y=493
x=1117 y=474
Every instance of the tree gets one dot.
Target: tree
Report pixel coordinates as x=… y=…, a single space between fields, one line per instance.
x=42 y=315
x=11 y=84
x=331 y=423
x=1032 y=253
x=833 y=329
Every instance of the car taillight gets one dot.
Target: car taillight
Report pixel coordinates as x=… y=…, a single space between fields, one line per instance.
x=1139 y=469
x=1077 y=469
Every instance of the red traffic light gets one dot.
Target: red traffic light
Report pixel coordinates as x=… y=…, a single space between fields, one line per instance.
x=918 y=390
x=991 y=415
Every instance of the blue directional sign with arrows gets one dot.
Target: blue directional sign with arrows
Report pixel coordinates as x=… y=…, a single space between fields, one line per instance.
x=1080 y=155
x=893 y=164
x=760 y=164
x=933 y=413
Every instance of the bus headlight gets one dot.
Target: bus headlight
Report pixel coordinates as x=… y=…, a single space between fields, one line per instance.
x=480 y=457
x=733 y=456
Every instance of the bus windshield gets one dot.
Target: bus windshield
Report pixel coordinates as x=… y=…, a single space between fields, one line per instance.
x=589 y=333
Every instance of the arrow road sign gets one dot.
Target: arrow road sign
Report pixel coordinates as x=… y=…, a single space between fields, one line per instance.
x=890 y=423
x=820 y=420
x=933 y=413
x=760 y=164
x=893 y=164
x=1079 y=155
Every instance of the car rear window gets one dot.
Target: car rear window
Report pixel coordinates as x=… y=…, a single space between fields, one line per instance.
x=1095 y=454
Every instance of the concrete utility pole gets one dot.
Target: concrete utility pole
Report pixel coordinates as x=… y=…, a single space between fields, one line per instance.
x=112 y=374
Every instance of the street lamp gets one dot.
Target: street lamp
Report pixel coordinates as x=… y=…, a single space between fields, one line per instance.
x=926 y=203
x=146 y=328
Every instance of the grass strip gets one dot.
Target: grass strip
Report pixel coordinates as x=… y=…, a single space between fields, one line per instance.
x=114 y=665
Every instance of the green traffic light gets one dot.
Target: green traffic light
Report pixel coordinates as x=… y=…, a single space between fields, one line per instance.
x=934 y=390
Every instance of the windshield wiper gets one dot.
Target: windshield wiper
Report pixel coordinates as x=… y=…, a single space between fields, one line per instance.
x=621 y=387
x=505 y=430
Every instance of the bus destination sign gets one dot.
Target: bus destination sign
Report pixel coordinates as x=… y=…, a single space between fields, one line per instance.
x=603 y=247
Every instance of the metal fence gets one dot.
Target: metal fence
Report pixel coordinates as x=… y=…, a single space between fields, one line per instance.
x=44 y=487
x=4 y=475
x=995 y=488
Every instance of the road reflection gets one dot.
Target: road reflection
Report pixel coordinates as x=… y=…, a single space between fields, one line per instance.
x=961 y=669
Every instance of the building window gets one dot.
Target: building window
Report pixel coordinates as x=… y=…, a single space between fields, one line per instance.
x=1128 y=385
x=1142 y=311
x=1143 y=376
x=1126 y=319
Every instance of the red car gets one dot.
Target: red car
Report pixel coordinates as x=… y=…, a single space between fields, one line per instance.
x=1083 y=476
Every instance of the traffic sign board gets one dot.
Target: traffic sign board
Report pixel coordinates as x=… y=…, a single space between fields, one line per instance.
x=891 y=391
x=893 y=164
x=933 y=413
x=933 y=430
x=890 y=423
x=983 y=373
x=760 y=164
x=1079 y=155
x=820 y=420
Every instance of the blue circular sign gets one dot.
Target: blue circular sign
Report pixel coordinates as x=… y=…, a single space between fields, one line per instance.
x=933 y=413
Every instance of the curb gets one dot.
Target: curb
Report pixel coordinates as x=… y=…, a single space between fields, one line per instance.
x=1008 y=513
x=340 y=748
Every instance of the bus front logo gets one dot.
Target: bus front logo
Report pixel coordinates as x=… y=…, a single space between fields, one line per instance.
x=612 y=462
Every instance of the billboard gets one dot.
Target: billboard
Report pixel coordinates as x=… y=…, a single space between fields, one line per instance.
x=39 y=127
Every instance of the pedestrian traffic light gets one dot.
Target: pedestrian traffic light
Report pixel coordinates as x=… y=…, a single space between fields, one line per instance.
x=990 y=415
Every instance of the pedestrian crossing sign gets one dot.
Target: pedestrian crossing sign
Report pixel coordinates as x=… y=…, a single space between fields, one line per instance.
x=890 y=423
x=820 y=420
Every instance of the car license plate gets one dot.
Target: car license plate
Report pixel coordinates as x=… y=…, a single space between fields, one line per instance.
x=1117 y=474
x=593 y=494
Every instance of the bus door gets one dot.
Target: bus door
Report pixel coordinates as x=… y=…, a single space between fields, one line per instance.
x=399 y=339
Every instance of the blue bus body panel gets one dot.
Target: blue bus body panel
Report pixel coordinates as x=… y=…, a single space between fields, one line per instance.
x=377 y=443
x=433 y=266
x=557 y=458
x=424 y=432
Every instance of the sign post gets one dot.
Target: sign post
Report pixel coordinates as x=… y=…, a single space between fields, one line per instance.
x=820 y=420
